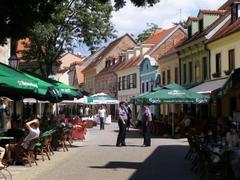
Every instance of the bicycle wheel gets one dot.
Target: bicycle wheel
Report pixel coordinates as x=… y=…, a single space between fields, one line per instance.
x=6 y=174
x=2 y=175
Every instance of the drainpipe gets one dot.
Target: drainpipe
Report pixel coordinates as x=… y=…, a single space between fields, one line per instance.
x=209 y=59
x=209 y=75
x=180 y=68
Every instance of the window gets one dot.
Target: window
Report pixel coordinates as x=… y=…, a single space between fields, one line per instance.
x=119 y=83
x=184 y=73
x=231 y=59
x=176 y=75
x=147 y=86
x=218 y=63
x=143 y=87
x=197 y=71
x=205 y=71
x=158 y=80
x=123 y=82
x=190 y=71
x=106 y=63
x=238 y=10
x=134 y=80
x=200 y=25
x=168 y=76
x=163 y=78
x=235 y=12
x=128 y=82
x=189 y=31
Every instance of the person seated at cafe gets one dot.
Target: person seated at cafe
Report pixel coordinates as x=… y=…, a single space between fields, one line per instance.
x=2 y=153
x=184 y=124
x=16 y=132
x=232 y=137
x=34 y=132
x=44 y=125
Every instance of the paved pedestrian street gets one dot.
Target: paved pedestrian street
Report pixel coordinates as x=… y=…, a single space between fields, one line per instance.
x=97 y=158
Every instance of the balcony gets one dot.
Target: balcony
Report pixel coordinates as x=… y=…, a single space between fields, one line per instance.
x=216 y=74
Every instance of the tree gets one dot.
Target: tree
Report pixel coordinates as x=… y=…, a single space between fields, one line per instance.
x=138 y=3
x=182 y=23
x=17 y=17
x=146 y=33
x=73 y=21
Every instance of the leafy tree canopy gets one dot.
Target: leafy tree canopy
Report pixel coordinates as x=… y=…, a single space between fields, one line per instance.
x=138 y=3
x=18 y=16
x=73 y=21
x=151 y=27
x=182 y=23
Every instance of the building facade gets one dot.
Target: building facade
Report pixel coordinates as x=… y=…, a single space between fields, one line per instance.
x=113 y=50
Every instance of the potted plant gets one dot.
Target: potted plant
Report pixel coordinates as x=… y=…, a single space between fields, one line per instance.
x=227 y=72
x=216 y=74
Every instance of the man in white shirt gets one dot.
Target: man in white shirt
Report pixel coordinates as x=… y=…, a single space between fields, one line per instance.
x=122 y=120
x=146 y=120
x=102 y=116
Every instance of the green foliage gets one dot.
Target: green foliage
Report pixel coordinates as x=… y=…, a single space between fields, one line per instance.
x=18 y=16
x=146 y=33
x=73 y=21
x=138 y=3
x=182 y=23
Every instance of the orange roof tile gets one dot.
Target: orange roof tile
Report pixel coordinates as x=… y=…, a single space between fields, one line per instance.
x=226 y=30
x=212 y=12
x=205 y=31
x=192 y=18
x=105 y=51
x=158 y=36
x=226 y=5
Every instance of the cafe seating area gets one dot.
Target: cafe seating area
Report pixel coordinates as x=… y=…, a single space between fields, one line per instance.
x=53 y=138
x=213 y=157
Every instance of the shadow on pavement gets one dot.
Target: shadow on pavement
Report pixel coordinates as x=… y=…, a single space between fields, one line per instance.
x=131 y=145
x=166 y=162
x=76 y=146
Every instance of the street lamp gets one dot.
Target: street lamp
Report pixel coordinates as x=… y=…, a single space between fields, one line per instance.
x=13 y=61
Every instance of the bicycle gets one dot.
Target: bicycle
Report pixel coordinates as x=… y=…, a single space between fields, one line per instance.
x=5 y=173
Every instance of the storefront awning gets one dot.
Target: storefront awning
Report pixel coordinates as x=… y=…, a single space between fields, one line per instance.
x=208 y=87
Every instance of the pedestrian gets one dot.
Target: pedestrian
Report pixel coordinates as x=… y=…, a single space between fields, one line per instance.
x=129 y=115
x=81 y=112
x=102 y=116
x=122 y=120
x=86 y=111
x=146 y=120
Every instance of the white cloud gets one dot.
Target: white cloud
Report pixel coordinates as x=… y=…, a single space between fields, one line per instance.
x=133 y=20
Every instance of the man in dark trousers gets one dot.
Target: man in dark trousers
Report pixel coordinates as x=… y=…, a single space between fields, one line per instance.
x=129 y=115
x=122 y=120
x=146 y=120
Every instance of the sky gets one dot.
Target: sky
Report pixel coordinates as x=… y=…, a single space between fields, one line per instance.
x=133 y=20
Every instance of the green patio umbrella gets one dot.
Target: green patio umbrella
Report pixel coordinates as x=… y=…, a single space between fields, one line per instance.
x=46 y=90
x=67 y=90
x=101 y=98
x=172 y=94
x=15 y=83
x=64 y=91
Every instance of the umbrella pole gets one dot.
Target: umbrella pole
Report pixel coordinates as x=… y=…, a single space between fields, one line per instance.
x=173 y=122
